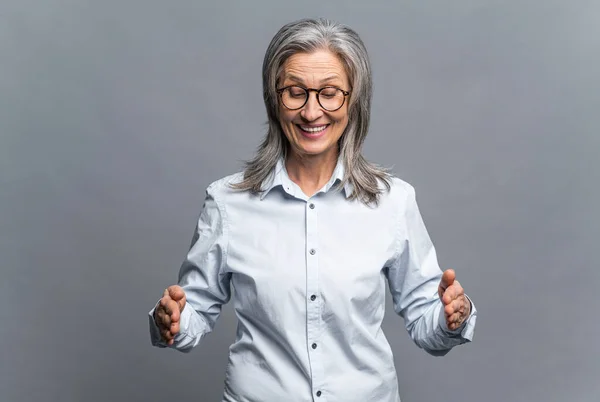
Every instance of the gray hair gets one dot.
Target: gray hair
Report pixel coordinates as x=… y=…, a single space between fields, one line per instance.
x=306 y=36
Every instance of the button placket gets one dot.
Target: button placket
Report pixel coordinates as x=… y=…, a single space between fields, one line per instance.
x=313 y=308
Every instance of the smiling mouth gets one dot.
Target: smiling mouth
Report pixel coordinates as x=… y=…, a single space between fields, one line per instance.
x=312 y=129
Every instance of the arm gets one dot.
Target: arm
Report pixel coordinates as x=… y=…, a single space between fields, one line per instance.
x=414 y=277
x=202 y=278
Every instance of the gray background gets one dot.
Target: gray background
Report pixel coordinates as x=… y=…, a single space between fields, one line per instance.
x=116 y=115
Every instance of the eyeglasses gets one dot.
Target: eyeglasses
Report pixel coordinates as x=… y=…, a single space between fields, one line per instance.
x=295 y=97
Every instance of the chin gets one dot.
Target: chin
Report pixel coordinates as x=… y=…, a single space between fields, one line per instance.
x=315 y=149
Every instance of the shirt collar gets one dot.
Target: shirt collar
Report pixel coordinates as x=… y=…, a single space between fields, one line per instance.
x=280 y=177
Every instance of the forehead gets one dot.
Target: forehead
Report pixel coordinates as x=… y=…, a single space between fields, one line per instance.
x=314 y=68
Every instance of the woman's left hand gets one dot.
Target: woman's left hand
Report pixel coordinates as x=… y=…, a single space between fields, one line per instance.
x=457 y=307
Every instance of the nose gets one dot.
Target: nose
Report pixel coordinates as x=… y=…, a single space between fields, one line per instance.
x=311 y=110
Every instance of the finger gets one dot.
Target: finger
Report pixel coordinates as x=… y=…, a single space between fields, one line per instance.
x=453 y=292
x=173 y=310
x=161 y=313
x=449 y=295
x=166 y=335
x=447 y=278
x=166 y=321
x=458 y=289
x=459 y=304
x=181 y=303
x=446 y=281
x=456 y=318
x=176 y=292
x=164 y=302
x=452 y=308
x=453 y=326
x=160 y=317
x=174 y=328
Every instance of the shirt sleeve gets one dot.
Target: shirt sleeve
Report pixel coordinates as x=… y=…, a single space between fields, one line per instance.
x=202 y=278
x=413 y=278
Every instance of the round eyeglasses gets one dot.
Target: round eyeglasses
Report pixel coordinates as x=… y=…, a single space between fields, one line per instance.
x=295 y=97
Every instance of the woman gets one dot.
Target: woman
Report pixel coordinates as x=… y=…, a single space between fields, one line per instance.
x=308 y=235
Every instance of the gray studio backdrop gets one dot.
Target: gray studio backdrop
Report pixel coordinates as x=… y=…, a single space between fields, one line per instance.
x=116 y=115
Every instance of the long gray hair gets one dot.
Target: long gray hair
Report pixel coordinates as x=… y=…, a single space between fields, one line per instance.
x=305 y=36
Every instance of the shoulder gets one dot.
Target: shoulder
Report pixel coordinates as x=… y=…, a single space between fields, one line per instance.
x=217 y=194
x=221 y=188
x=400 y=190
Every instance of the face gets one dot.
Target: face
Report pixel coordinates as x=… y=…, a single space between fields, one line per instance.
x=312 y=130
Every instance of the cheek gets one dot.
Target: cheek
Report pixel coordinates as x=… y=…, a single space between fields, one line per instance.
x=342 y=117
x=342 y=121
x=285 y=118
x=342 y=124
x=283 y=122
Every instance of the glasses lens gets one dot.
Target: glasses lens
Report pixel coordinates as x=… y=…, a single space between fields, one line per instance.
x=331 y=98
x=293 y=97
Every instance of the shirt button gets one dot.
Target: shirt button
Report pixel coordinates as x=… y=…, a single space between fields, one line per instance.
x=314 y=345
x=313 y=297
x=313 y=251
x=312 y=206
x=318 y=393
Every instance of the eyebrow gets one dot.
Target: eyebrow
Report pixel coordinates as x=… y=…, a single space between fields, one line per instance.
x=301 y=81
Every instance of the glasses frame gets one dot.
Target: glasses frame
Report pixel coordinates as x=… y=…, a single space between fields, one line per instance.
x=308 y=91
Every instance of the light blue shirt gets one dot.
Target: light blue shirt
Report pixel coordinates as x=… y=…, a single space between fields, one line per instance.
x=308 y=276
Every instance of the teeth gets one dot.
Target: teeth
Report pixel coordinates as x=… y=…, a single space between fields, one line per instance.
x=313 y=129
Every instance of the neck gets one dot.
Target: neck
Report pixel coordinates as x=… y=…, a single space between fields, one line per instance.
x=311 y=172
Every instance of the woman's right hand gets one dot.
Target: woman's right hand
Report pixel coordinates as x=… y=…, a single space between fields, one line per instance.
x=168 y=313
